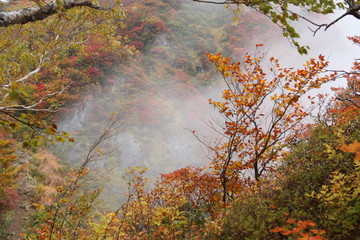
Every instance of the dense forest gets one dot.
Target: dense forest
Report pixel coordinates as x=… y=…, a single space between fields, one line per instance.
x=169 y=119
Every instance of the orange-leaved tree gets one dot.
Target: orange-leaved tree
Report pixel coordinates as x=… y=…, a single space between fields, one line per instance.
x=346 y=106
x=260 y=110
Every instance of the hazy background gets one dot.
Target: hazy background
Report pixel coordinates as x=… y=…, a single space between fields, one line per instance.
x=158 y=137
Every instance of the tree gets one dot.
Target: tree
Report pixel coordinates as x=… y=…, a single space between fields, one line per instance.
x=70 y=214
x=260 y=111
x=8 y=173
x=33 y=77
x=317 y=181
x=348 y=99
x=283 y=13
x=34 y=82
x=43 y=10
x=180 y=205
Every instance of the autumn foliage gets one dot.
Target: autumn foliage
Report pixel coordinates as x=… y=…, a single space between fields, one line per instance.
x=8 y=175
x=261 y=110
x=302 y=230
x=271 y=175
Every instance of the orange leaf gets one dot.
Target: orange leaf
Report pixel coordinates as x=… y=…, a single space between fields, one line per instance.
x=290 y=220
x=278 y=229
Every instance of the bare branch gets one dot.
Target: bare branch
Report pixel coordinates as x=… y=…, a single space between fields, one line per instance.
x=237 y=2
x=32 y=107
x=336 y=20
x=342 y=73
x=36 y=70
x=90 y=5
x=213 y=2
x=353 y=10
x=21 y=121
x=71 y=189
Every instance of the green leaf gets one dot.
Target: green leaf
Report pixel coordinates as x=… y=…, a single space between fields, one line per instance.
x=65 y=134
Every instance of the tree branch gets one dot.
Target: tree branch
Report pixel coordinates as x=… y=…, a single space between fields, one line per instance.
x=238 y=2
x=33 y=14
x=21 y=121
x=33 y=106
x=213 y=2
x=353 y=10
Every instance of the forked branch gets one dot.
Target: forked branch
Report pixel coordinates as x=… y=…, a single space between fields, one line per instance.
x=33 y=14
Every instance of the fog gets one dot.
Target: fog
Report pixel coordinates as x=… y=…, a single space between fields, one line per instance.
x=332 y=43
x=161 y=139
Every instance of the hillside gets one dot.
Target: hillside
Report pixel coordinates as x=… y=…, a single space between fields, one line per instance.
x=168 y=120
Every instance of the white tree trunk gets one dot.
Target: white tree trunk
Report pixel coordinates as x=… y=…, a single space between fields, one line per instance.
x=33 y=14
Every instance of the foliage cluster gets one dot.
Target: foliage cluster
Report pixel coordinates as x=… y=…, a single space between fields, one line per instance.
x=45 y=75
x=261 y=111
x=311 y=193
x=8 y=174
x=44 y=67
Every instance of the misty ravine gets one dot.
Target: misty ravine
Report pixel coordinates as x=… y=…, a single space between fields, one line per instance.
x=157 y=132
x=158 y=136
x=179 y=119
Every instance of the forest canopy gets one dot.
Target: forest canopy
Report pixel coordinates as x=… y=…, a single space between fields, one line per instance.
x=282 y=159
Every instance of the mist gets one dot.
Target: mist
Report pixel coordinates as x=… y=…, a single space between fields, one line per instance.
x=332 y=43
x=160 y=104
